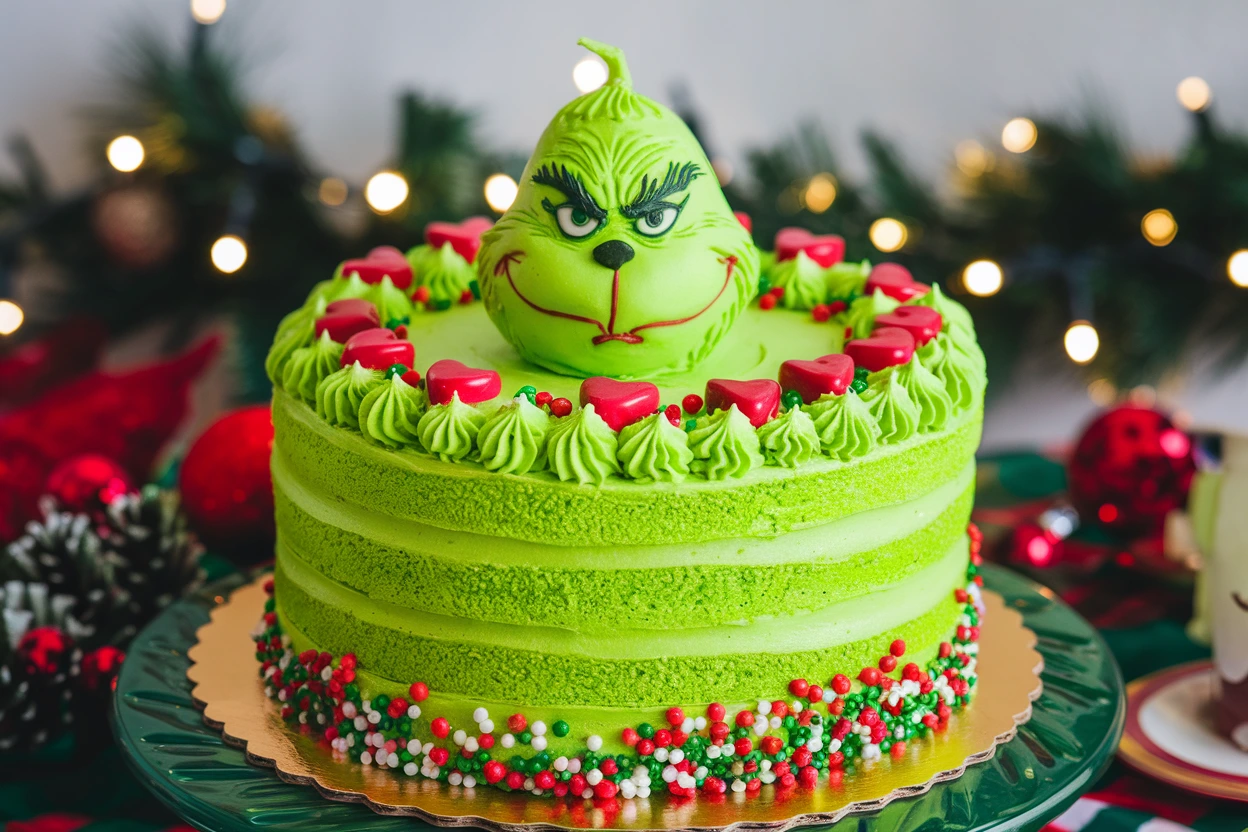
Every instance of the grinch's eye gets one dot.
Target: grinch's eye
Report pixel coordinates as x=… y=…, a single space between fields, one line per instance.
x=658 y=221
x=574 y=222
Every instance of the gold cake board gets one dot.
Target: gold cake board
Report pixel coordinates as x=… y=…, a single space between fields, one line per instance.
x=230 y=691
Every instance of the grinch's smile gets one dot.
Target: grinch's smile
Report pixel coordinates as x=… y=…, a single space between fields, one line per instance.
x=607 y=331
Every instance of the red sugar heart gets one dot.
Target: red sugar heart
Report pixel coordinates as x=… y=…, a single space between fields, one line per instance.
x=344 y=318
x=887 y=347
x=378 y=349
x=381 y=262
x=464 y=237
x=619 y=403
x=448 y=376
x=744 y=219
x=923 y=322
x=826 y=250
x=894 y=280
x=812 y=379
x=758 y=399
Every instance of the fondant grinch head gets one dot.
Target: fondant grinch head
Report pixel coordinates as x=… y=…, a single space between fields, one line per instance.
x=620 y=255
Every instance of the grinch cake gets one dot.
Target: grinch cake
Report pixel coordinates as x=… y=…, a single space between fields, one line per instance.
x=599 y=501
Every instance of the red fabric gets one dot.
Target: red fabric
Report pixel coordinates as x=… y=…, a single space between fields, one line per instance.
x=51 y=822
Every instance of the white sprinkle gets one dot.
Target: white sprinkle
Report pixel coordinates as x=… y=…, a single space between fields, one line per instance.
x=281 y=695
x=327 y=673
x=487 y=726
x=366 y=758
x=350 y=740
x=413 y=747
x=776 y=722
x=760 y=726
x=470 y=782
x=689 y=725
x=699 y=724
x=574 y=765
x=797 y=706
x=767 y=777
x=428 y=747
x=764 y=707
x=472 y=746
x=538 y=728
x=588 y=794
x=460 y=737
x=529 y=784
x=593 y=777
x=727 y=749
x=712 y=752
x=700 y=773
x=359 y=722
x=374 y=717
x=660 y=754
x=507 y=740
x=669 y=774
x=628 y=789
x=675 y=756
x=538 y=743
x=392 y=760
x=413 y=712
x=480 y=715
x=455 y=778
x=348 y=709
x=765 y=765
x=594 y=743
x=643 y=792
x=561 y=764
x=738 y=786
x=828 y=695
x=367 y=705
x=410 y=769
x=814 y=744
x=685 y=781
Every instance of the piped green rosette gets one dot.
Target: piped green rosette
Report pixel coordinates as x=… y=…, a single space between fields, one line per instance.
x=951 y=312
x=724 y=445
x=844 y=425
x=295 y=331
x=390 y=413
x=864 y=310
x=804 y=282
x=391 y=302
x=448 y=431
x=582 y=448
x=340 y=394
x=442 y=270
x=513 y=439
x=955 y=370
x=309 y=366
x=789 y=439
x=654 y=450
x=891 y=407
x=927 y=392
x=846 y=280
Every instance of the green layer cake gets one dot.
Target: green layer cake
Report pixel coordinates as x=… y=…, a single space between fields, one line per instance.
x=599 y=499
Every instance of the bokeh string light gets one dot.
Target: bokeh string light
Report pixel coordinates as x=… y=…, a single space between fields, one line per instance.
x=589 y=74
x=207 y=12
x=500 y=191
x=125 y=153
x=820 y=193
x=11 y=317
x=1159 y=227
x=983 y=278
x=1019 y=135
x=1082 y=342
x=1194 y=94
x=229 y=253
x=1237 y=268
x=888 y=234
x=385 y=191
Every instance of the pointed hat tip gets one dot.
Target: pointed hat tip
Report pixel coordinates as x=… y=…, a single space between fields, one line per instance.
x=613 y=56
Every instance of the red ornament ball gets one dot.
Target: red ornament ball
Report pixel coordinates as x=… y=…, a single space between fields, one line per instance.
x=87 y=482
x=227 y=490
x=44 y=651
x=1129 y=469
x=100 y=667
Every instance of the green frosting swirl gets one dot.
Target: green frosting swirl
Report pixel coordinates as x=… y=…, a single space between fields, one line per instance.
x=296 y=330
x=391 y=302
x=513 y=439
x=725 y=444
x=891 y=407
x=965 y=344
x=952 y=313
x=443 y=270
x=863 y=312
x=804 y=282
x=928 y=394
x=654 y=450
x=846 y=280
x=340 y=289
x=955 y=370
x=583 y=447
x=845 y=425
x=789 y=439
x=448 y=430
x=340 y=394
x=390 y=413
x=309 y=366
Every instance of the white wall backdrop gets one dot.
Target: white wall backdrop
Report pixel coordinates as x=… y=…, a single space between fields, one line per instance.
x=926 y=74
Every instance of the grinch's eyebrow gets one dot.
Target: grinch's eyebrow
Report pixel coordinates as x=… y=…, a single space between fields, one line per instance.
x=571 y=187
x=653 y=193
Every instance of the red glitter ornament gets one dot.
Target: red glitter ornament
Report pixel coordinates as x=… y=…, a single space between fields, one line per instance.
x=100 y=667
x=87 y=482
x=43 y=650
x=1131 y=467
x=227 y=490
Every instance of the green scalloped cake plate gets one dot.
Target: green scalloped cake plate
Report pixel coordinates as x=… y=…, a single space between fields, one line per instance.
x=1055 y=757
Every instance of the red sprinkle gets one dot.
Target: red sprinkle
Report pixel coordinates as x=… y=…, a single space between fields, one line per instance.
x=888 y=663
x=743 y=746
x=576 y=784
x=662 y=738
x=678 y=738
x=798 y=687
x=517 y=723
x=745 y=719
x=543 y=398
x=419 y=691
x=836 y=307
x=486 y=741
x=777 y=292
x=465 y=296
x=767 y=301
x=836 y=707
x=808 y=777
x=946 y=649
x=645 y=748
x=779 y=708
x=821 y=312
x=898 y=648
x=840 y=684
x=544 y=779
x=801 y=757
x=421 y=295
x=815 y=694
x=898 y=750
x=719 y=730
x=910 y=672
x=494 y=771
x=630 y=737
x=869 y=676
x=560 y=407
x=347 y=662
x=514 y=780
x=692 y=403
x=715 y=711
x=672 y=412
x=439 y=756
x=440 y=728
x=770 y=745
x=605 y=789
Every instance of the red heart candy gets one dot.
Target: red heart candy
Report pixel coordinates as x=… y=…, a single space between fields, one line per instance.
x=894 y=280
x=464 y=237
x=381 y=262
x=829 y=374
x=923 y=322
x=758 y=399
x=378 y=349
x=745 y=220
x=344 y=318
x=826 y=250
x=619 y=403
x=448 y=376
x=887 y=347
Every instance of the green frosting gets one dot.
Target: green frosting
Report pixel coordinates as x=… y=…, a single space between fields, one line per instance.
x=448 y=430
x=846 y=280
x=928 y=394
x=891 y=406
x=804 y=281
x=296 y=330
x=390 y=412
x=863 y=312
x=391 y=302
x=309 y=366
x=654 y=450
x=790 y=439
x=951 y=312
x=513 y=439
x=340 y=394
x=582 y=448
x=443 y=271
x=339 y=289
x=845 y=426
x=956 y=371
x=725 y=444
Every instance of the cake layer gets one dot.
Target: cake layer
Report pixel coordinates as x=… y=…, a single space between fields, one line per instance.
x=600 y=588
x=343 y=466
x=544 y=665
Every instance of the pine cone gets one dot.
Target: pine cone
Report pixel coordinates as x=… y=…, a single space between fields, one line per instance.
x=39 y=662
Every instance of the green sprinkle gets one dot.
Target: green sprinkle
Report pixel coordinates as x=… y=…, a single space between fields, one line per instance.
x=395 y=370
x=475 y=288
x=764 y=285
x=560 y=728
x=526 y=737
x=791 y=399
x=645 y=730
x=858 y=385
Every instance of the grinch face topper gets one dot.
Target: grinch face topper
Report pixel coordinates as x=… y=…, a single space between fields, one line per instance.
x=619 y=256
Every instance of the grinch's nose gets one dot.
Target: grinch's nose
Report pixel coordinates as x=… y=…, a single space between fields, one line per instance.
x=613 y=254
